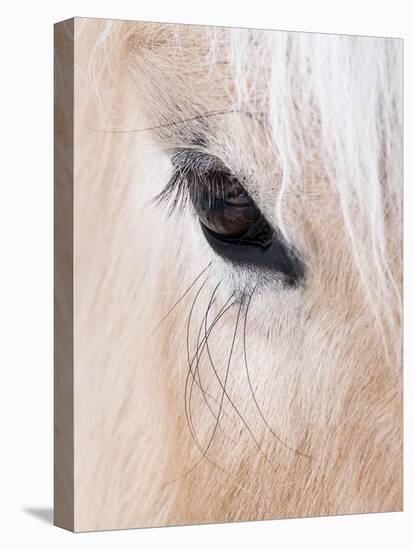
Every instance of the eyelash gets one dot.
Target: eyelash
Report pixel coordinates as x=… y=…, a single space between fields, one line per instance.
x=193 y=173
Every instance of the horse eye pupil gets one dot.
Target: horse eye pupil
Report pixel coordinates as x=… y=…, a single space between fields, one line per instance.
x=229 y=220
x=229 y=212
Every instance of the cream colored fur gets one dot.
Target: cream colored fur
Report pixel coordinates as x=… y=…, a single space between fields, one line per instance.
x=314 y=120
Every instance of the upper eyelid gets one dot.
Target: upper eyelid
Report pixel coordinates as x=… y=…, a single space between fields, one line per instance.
x=199 y=161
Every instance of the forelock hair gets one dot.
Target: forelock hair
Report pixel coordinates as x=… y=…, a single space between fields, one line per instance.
x=343 y=96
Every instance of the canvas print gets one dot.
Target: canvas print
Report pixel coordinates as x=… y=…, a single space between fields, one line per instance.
x=228 y=274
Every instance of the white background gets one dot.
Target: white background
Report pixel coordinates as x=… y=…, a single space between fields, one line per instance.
x=26 y=271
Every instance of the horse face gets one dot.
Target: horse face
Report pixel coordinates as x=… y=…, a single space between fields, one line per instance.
x=258 y=253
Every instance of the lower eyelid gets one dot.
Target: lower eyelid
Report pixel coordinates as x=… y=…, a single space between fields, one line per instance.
x=275 y=259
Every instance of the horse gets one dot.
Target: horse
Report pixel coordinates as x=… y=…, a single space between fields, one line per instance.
x=238 y=274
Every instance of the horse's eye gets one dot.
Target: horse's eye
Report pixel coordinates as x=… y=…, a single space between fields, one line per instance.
x=230 y=220
x=230 y=214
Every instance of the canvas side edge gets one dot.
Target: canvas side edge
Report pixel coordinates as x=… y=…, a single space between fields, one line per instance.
x=63 y=275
